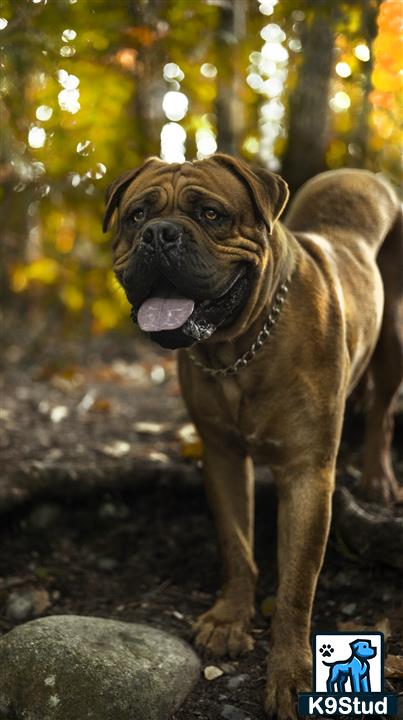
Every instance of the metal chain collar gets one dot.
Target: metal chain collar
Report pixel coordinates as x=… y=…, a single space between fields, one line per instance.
x=249 y=355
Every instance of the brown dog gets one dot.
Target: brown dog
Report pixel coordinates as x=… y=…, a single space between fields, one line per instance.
x=283 y=321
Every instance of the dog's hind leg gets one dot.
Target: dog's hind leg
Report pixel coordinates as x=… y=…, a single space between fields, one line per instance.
x=386 y=369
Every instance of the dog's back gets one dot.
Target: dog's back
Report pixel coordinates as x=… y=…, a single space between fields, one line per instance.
x=350 y=223
x=339 y=202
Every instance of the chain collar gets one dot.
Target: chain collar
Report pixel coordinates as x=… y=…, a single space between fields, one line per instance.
x=249 y=355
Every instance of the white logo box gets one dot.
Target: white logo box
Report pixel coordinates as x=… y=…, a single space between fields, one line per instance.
x=342 y=652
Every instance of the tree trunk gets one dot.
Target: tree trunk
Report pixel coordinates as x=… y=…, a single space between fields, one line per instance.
x=309 y=106
x=150 y=87
x=230 y=117
x=359 y=138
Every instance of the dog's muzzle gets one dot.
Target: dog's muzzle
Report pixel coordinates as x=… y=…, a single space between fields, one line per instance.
x=174 y=289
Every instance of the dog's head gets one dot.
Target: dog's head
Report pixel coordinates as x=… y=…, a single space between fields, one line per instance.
x=363 y=649
x=191 y=243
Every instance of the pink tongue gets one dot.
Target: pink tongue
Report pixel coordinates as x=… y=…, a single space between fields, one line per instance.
x=158 y=313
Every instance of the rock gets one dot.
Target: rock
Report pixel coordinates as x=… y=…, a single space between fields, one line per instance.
x=19 y=606
x=67 y=667
x=234 y=682
x=212 y=672
x=230 y=712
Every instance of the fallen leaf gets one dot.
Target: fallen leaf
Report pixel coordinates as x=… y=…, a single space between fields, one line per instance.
x=58 y=413
x=267 y=606
x=192 y=449
x=151 y=428
x=121 y=370
x=186 y=432
x=40 y=601
x=158 y=457
x=86 y=402
x=212 y=672
x=394 y=666
x=157 y=374
x=101 y=405
x=191 y=445
x=115 y=449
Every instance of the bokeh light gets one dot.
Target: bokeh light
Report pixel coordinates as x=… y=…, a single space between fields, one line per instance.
x=36 y=137
x=175 y=105
x=340 y=101
x=43 y=113
x=173 y=138
x=362 y=52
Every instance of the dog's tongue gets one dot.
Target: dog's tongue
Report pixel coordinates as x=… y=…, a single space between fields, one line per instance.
x=164 y=313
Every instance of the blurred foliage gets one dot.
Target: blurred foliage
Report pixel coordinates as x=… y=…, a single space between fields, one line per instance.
x=82 y=89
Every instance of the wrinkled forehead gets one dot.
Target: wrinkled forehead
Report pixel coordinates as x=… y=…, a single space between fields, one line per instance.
x=174 y=178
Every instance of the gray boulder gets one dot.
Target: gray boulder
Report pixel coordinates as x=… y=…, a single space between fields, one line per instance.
x=79 y=668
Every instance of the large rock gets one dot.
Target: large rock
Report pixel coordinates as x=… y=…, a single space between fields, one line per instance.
x=75 y=668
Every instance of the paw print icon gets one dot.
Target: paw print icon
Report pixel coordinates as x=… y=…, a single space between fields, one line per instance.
x=326 y=650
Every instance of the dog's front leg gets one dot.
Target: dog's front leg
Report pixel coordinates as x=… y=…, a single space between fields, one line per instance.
x=228 y=478
x=303 y=526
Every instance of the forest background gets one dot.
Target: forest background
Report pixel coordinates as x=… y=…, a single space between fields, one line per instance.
x=89 y=88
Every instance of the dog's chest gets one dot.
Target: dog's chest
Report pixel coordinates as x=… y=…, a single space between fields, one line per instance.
x=243 y=412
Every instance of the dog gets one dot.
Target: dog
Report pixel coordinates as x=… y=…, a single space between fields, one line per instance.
x=356 y=669
x=275 y=324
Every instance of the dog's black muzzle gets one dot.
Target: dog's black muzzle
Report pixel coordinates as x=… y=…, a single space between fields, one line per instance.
x=168 y=258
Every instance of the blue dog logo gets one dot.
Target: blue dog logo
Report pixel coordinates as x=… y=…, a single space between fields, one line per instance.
x=356 y=669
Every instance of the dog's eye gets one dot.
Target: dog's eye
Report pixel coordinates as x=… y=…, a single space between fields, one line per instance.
x=138 y=215
x=210 y=213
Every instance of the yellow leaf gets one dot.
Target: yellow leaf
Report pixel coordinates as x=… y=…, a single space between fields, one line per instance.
x=19 y=280
x=268 y=605
x=192 y=449
x=45 y=270
x=106 y=312
x=72 y=297
x=336 y=153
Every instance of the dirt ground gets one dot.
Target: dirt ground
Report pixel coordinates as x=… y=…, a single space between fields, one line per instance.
x=105 y=516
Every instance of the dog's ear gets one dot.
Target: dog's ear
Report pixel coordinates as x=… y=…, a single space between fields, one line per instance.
x=269 y=191
x=116 y=189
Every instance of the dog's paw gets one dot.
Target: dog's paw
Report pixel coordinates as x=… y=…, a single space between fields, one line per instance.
x=287 y=675
x=223 y=630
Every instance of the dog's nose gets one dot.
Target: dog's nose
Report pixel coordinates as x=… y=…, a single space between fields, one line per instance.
x=164 y=232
